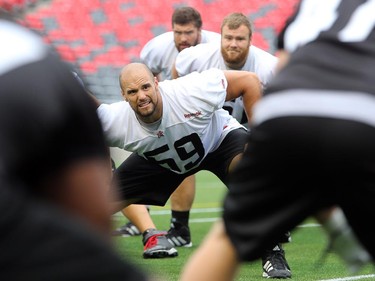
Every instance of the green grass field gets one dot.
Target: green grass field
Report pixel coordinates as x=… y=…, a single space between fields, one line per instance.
x=304 y=253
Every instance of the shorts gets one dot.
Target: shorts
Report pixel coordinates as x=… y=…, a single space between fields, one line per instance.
x=294 y=167
x=143 y=182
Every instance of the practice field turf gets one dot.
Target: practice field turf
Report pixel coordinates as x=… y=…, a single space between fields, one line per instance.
x=304 y=253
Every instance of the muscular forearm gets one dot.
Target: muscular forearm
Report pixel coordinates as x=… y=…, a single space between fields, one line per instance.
x=252 y=92
x=245 y=84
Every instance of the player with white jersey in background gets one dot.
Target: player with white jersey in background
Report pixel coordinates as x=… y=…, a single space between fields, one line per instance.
x=160 y=52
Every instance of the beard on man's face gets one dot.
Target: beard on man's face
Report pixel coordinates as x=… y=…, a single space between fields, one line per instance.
x=234 y=55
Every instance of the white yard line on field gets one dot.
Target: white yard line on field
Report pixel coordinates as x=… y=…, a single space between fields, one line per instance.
x=359 y=277
x=200 y=220
x=192 y=211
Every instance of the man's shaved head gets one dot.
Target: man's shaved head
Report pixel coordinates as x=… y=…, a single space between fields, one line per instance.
x=131 y=71
x=139 y=88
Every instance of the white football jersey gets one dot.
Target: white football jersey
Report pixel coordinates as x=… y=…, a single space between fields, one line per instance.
x=193 y=122
x=160 y=52
x=206 y=56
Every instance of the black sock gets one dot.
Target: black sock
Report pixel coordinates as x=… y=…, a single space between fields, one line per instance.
x=181 y=218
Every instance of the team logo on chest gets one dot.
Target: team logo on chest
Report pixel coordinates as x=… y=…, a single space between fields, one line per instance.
x=194 y=114
x=160 y=134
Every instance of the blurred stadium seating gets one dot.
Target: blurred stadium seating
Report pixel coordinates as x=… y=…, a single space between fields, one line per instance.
x=16 y=6
x=98 y=37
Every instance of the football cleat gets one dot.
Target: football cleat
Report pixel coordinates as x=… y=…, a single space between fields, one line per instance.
x=126 y=230
x=179 y=235
x=275 y=265
x=156 y=245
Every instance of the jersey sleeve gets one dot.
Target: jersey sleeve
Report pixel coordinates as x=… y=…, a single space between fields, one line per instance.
x=184 y=61
x=195 y=58
x=150 y=57
x=206 y=89
x=154 y=52
x=216 y=86
x=111 y=123
x=198 y=58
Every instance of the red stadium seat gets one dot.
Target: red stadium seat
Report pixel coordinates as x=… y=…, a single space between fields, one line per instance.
x=95 y=34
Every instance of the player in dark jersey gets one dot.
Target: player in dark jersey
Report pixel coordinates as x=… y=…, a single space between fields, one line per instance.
x=54 y=170
x=311 y=141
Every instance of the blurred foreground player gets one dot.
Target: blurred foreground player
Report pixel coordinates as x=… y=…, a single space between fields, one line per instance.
x=234 y=52
x=54 y=170
x=315 y=125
